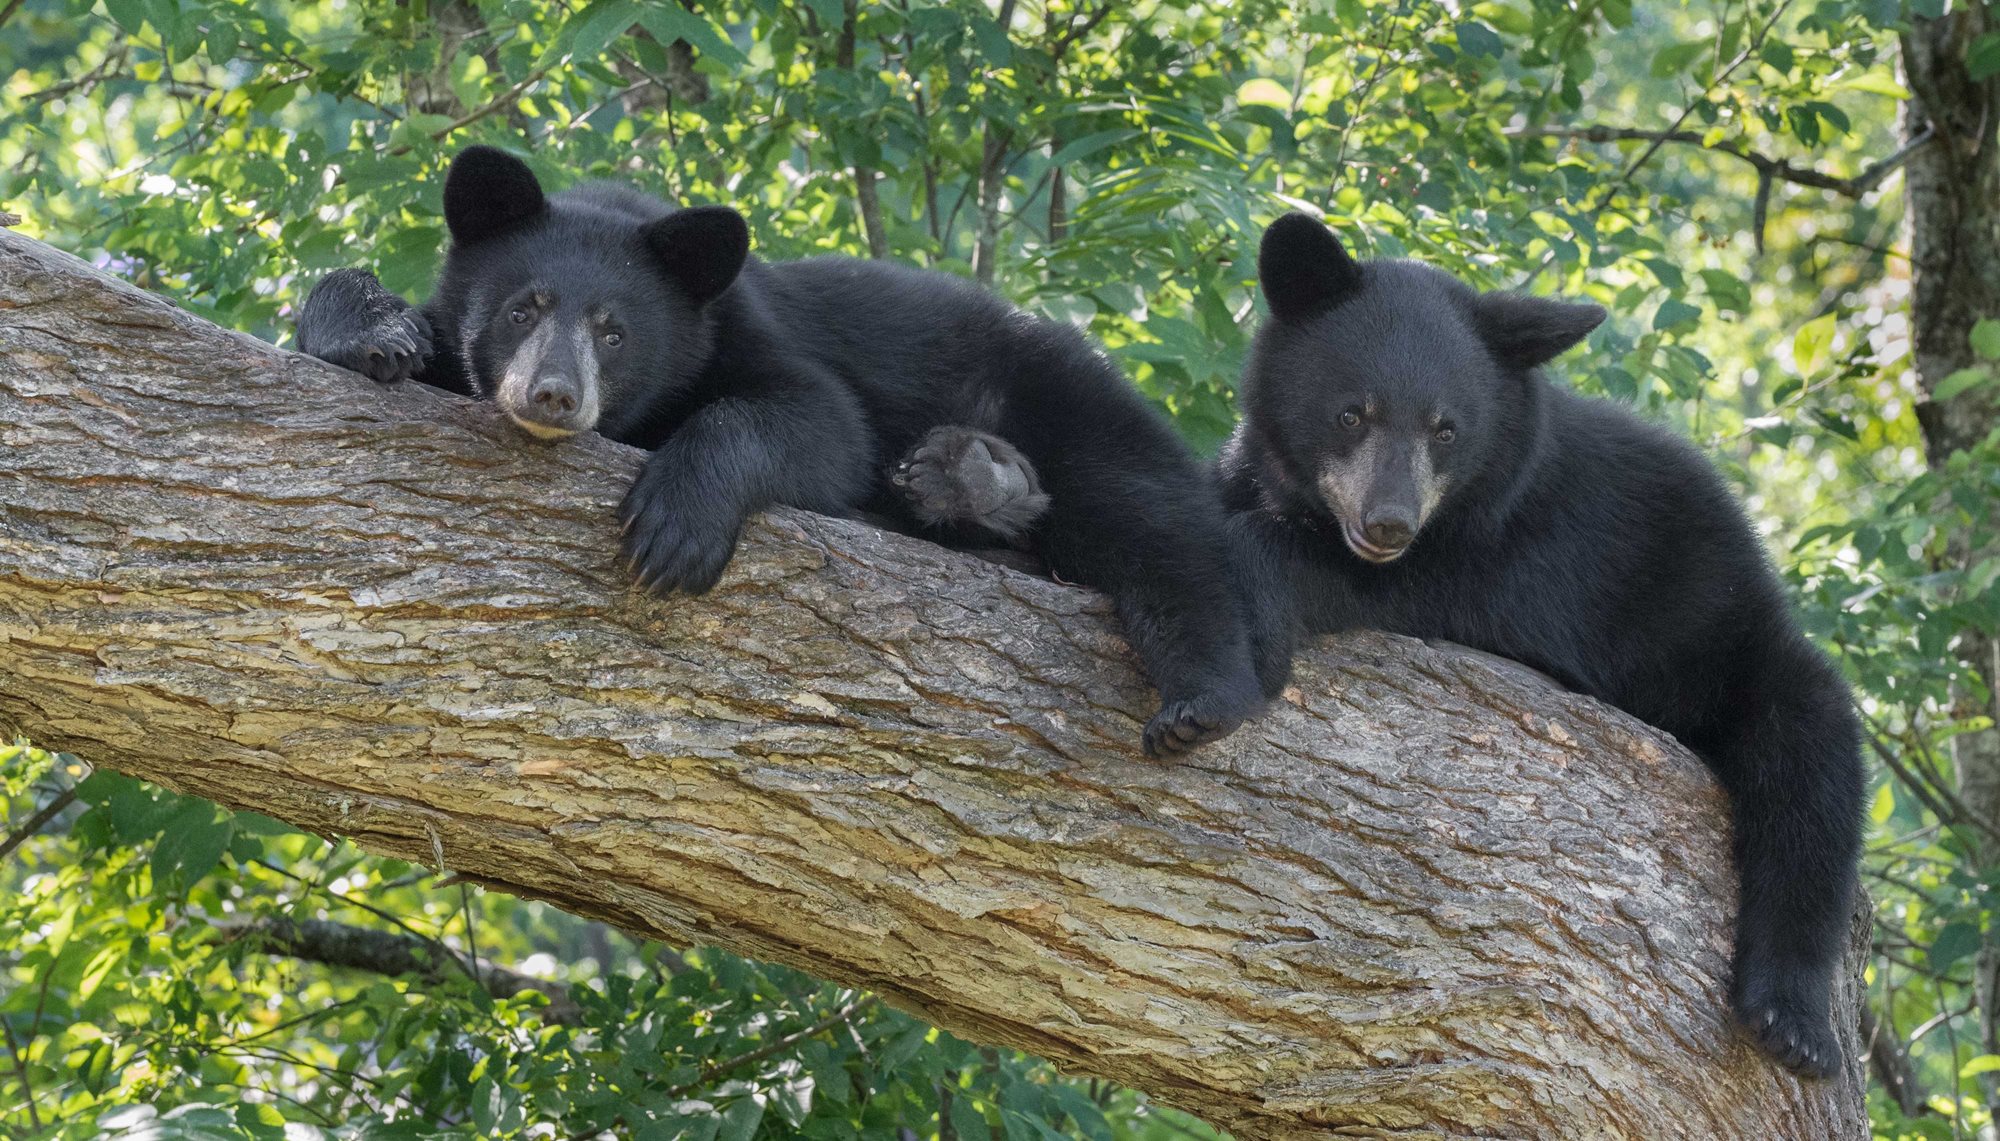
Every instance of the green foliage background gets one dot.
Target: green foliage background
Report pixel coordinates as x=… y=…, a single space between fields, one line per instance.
x=226 y=153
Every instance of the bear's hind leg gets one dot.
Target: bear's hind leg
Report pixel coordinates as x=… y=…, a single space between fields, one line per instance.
x=957 y=477
x=1131 y=514
x=1795 y=781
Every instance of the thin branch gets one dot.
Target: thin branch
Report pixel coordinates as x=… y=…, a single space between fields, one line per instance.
x=387 y=953
x=1079 y=30
x=1959 y=811
x=1891 y=1065
x=1782 y=170
x=21 y=1071
x=498 y=103
x=38 y=821
x=1610 y=189
x=714 y=1070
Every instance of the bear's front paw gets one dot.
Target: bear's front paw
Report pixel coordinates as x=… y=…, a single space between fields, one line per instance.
x=960 y=477
x=671 y=548
x=1182 y=725
x=391 y=348
x=1786 y=1011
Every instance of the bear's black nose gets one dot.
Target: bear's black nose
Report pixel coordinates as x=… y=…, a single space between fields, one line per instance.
x=553 y=397
x=1390 y=529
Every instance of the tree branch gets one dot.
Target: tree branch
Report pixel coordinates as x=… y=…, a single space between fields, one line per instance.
x=1782 y=170
x=387 y=953
x=37 y=822
x=1428 y=894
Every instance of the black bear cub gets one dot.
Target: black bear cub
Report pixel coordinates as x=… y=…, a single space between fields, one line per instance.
x=1403 y=465
x=840 y=386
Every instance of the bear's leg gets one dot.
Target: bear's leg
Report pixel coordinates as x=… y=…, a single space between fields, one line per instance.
x=958 y=477
x=1793 y=769
x=351 y=321
x=1131 y=514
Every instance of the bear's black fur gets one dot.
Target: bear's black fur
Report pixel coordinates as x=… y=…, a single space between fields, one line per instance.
x=817 y=384
x=1403 y=465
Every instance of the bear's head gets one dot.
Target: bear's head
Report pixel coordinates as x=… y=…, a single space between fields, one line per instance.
x=1388 y=391
x=578 y=312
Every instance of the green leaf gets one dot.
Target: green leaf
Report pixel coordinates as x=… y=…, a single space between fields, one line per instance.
x=831 y=13
x=1261 y=92
x=1982 y=59
x=1983 y=1064
x=1962 y=381
x=1958 y=940
x=1475 y=38
x=668 y=21
x=1078 y=149
x=590 y=30
x=1671 y=61
x=1986 y=339
x=1885 y=804
x=1874 y=83
x=993 y=41
x=222 y=40
x=129 y=14
x=739 y=1121
x=1729 y=292
x=191 y=844
x=1674 y=313
x=1811 y=344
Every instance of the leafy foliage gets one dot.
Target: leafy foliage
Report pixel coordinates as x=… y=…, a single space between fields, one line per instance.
x=1110 y=165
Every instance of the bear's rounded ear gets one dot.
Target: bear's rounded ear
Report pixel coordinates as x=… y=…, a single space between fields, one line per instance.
x=487 y=192
x=1525 y=332
x=1304 y=269
x=702 y=248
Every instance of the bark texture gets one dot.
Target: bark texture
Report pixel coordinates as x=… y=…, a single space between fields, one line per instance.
x=1430 y=895
x=1953 y=189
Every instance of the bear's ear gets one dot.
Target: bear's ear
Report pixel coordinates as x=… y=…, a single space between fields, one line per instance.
x=702 y=248
x=1304 y=269
x=1528 y=331
x=488 y=191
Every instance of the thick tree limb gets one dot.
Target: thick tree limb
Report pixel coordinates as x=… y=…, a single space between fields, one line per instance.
x=1429 y=895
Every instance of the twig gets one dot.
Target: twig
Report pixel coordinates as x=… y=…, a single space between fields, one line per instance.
x=49 y=811
x=1961 y=812
x=1781 y=170
x=710 y=1072
x=1891 y=1065
x=1611 y=188
x=499 y=102
x=21 y=1071
x=1077 y=31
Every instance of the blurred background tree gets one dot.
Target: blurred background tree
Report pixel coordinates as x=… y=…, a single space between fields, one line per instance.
x=1791 y=209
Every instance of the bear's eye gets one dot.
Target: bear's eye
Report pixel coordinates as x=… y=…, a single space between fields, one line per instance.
x=520 y=315
x=1447 y=434
x=613 y=338
x=1350 y=419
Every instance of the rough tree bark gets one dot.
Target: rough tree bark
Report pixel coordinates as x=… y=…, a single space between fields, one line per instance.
x=1429 y=895
x=1953 y=190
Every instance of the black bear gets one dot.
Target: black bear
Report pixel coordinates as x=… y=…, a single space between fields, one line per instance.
x=1403 y=465
x=832 y=384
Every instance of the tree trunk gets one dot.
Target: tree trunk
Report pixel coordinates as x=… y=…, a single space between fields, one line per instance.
x=1428 y=895
x=1953 y=187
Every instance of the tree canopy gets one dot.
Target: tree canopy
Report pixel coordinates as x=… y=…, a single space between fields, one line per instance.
x=1727 y=178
